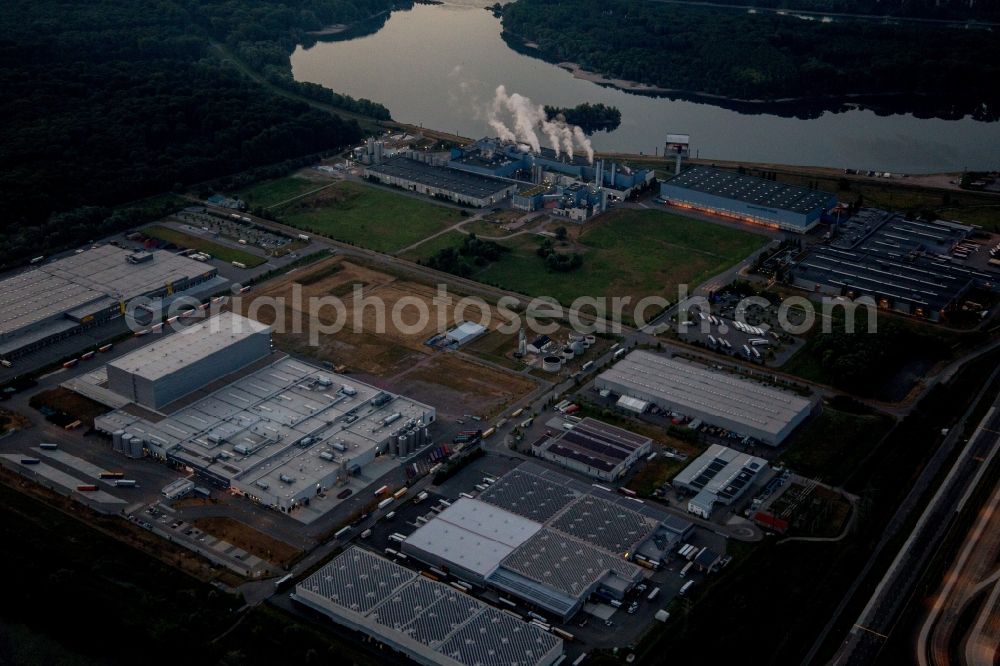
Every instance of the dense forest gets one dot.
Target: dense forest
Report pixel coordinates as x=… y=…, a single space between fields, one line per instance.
x=760 y=56
x=988 y=10
x=109 y=101
x=589 y=117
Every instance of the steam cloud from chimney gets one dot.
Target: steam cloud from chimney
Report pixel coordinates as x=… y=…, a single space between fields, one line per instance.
x=529 y=119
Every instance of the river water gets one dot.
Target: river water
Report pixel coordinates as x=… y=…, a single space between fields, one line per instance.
x=439 y=65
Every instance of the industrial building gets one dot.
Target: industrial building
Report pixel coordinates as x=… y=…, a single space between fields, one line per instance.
x=719 y=477
x=596 y=449
x=503 y=159
x=172 y=367
x=429 y=179
x=464 y=333
x=643 y=379
x=54 y=301
x=275 y=429
x=546 y=539
x=747 y=198
x=428 y=621
x=903 y=265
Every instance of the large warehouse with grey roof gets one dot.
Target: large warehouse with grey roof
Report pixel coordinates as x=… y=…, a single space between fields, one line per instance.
x=430 y=622
x=547 y=539
x=715 y=397
x=56 y=300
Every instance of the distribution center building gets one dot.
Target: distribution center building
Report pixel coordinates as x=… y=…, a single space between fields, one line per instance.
x=430 y=622
x=909 y=266
x=546 y=539
x=715 y=397
x=53 y=301
x=596 y=449
x=719 y=476
x=747 y=198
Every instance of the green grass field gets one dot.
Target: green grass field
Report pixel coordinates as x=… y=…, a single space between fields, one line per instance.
x=368 y=216
x=831 y=446
x=425 y=250
x=217 y=250
x=628 y=253
x=273 y=192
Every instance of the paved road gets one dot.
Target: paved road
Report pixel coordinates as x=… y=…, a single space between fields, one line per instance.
x=878 y=618
x=972 y=576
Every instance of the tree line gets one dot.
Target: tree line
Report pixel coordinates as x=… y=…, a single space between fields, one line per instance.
x=761 y=56
x=112 y=101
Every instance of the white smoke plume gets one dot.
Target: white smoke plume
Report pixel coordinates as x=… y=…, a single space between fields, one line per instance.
x=528 y=119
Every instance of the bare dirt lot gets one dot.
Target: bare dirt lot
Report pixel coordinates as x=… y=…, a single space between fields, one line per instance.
x=249 y=539
x=392 y=355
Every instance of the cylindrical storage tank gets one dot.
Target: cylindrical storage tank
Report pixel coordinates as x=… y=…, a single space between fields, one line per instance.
x=590 y=340
x=135 y=451
x=551 y=363
x=567 y=353
x=125 y=444
x=116 y=440
x=577 y=348
x=399 y=445
x=574 y=336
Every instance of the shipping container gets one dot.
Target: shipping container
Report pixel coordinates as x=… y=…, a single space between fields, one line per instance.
x=382 y=491
x=652 y=595
x=125 y=483
x=87 y=488
x=48 y=446
x=685 y=588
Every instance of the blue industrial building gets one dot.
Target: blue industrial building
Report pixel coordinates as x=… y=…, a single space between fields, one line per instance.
x=747 y=198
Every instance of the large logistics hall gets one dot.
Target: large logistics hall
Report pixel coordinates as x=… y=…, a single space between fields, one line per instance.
x=747 y=198
x=53 y=301
x=547 y=539
x=740 y=405
x=595 y=448
x=274 y=428
x=904 y=265
x=430 y=622
x=439 y=181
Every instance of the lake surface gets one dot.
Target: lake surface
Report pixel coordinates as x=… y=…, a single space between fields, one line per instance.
x=439 y=65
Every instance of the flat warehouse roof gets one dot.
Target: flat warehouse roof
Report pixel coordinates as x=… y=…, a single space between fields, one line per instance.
x=597 y=444
x=430 y=621
x=750 y=189
x=444 y=178
x=189 y=345
x=688 y=386
x=249 y=430
x=97 y=278
x=565 y=564
x=721 y=471
x=473 y=535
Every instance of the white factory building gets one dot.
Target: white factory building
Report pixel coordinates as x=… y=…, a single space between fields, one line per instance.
x=276 y=429
x=643 y=379
x=174 y=366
